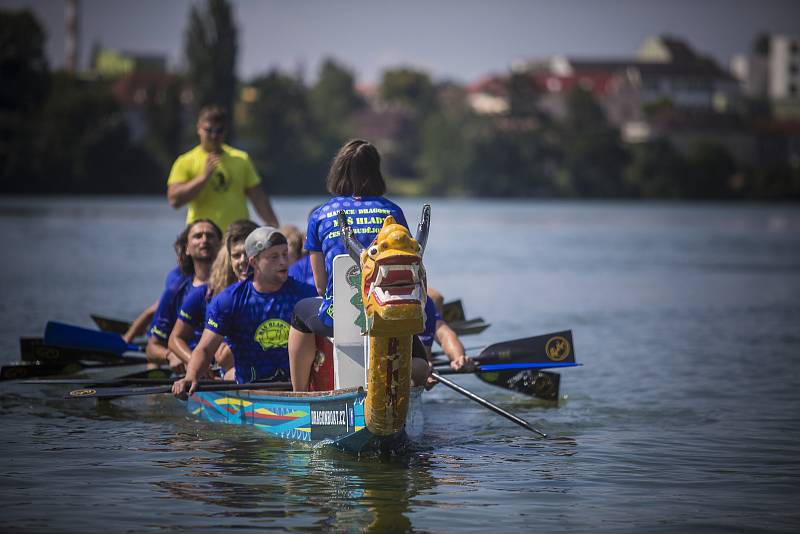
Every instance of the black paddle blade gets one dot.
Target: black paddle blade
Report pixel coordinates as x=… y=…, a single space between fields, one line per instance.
x=110 y=325
x=467 y=328
x=453 y=312
x=540 y=384
x=33 y=349
x=20 y=372
x=551 y=348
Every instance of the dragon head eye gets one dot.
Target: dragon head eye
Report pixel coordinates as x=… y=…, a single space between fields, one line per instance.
x=373 y=251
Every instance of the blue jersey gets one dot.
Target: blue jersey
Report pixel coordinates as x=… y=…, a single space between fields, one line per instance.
x=431 y=316
x=365 y=215
x=256 y=326
x=169 y=305
x=174 y=276
x=193 y=311
x=301 y=270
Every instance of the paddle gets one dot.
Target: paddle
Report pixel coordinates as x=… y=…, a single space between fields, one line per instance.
x=110 y=325
x=33 y=349
x=483 y=402
x=106 y=324
x=25 y=370
x=468 y=328
x=554 y=348
x=65 y=335
x=514 y=365
x=539 y=384
x=453 y=311
x=121 y=382
x=112 y=392
x=150 y=377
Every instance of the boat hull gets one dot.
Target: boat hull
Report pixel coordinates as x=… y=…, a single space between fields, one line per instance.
x=334 y=418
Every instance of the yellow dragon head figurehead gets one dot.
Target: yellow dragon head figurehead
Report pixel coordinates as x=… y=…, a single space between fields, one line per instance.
x=393 y=282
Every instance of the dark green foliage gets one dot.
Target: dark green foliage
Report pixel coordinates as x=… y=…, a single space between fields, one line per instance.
x=86 y=145
x=24 y=87
x=412 y=92
x=281 y=130
x=333 y=100
x=210 y=46
x=593 y=157
x=711 y=171
x=163 y=114
x=656 y=170
x=409 y=88
x=449 y=139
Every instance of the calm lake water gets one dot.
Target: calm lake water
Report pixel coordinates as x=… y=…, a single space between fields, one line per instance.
x=683 y=418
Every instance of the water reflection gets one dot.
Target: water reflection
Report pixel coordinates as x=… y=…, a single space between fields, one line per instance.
x=254 y=479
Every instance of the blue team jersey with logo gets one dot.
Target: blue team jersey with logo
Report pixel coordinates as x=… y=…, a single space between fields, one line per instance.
x=301 y=270
x=365 y=215
x=256 y=326
x=193 y=311
x=431 y=316
x=169 y=305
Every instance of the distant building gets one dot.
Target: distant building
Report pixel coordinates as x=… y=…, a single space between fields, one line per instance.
x=771 y=72
x=666 y=90
x=772 y=69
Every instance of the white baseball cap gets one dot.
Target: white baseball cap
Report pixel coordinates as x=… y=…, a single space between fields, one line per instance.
x=261 y=239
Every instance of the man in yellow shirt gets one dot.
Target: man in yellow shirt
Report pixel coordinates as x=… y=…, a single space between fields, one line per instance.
x=215 y=179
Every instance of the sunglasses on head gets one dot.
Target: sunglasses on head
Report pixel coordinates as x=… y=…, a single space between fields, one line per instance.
x=219 y=130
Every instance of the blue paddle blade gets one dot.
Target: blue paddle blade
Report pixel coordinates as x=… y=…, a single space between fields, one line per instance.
x=65 y=335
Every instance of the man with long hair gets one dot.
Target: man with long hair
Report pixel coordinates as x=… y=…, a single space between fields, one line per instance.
x=197 y=247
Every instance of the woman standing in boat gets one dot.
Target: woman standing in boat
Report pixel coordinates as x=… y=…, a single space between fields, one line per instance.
x=357 y=186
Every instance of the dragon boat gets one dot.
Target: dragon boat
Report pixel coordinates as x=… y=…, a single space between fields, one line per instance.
x=361 y=379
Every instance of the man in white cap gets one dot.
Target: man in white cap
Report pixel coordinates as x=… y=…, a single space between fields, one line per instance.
x=252 y=315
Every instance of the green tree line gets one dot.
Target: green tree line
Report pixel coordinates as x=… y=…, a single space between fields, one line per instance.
x=62 y=134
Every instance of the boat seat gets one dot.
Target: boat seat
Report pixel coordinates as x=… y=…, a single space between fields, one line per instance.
x=350 y=347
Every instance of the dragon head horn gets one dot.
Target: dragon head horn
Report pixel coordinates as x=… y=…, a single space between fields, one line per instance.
x=423 y=227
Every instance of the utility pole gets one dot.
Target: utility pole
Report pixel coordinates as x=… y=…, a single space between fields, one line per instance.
x=73 y=39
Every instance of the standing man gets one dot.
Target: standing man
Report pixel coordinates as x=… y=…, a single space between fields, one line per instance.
x=253 y=316
x=215 y=179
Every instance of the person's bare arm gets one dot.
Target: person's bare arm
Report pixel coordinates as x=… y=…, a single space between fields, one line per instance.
x=156 y=351
x=178 y=195
x=452 y=346
x=318 y=268
x=139 y=325
x=198 y=363
x=179 y=339
x=261 y=202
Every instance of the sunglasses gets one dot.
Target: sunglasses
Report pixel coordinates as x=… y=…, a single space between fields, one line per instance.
x=214 y=131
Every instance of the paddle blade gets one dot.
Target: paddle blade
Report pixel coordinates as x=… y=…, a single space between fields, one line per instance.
x=539 y=384
x=33 y=349
x=65 y=335
x=548 y=348
x=467 y=328
x=24 y=371
x=453 y=311
x=110 y=325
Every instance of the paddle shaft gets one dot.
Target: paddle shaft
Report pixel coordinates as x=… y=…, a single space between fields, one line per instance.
x=113 y=392
x=486 y=404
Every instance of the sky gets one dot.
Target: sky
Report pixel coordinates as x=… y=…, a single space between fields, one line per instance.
x=450 y=39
